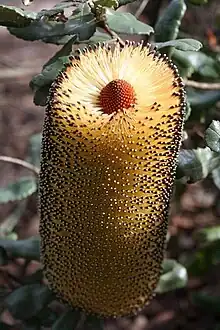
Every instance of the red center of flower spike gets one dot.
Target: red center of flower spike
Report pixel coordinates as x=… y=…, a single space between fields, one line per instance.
x=116 y=96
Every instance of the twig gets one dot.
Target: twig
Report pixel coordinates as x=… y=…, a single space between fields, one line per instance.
x=202 y=85
x=141 y=8
x=112 y=33
x=20 y=162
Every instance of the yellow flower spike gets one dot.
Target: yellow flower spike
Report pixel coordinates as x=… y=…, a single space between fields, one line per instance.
x=111 y=136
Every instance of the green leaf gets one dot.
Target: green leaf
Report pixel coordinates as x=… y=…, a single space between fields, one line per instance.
x=174 y=276
x=212 y=136
x=167 y=26
x=204 y=65
x=201 y=100
x=68 y=320
x=34 y=149
x=27 y=248
x=12 y=219
x=41 y=95
x=198 y=163
x=181 y=44
x=125 y=2
x=216 y=177
x=99 y=37
x=48 y=30
x=41 y=83
x=207 y=235
x=126 y=23
x=49 y=73
x=66 y=50
x=18 y=190
x=11 y=16
x=106 y=3
x=205 y=258
x=28 y=300
x=182 y=62
x=188 y=110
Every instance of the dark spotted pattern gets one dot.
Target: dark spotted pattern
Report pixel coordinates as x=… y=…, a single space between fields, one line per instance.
x=105 y=186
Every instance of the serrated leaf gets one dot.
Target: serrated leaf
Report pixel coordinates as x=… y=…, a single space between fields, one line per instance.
x=11 y=16
x=66 y=50
x=26 y=248
x=167 y=26
x=18 y=190
x=50 y=31
x=212 y=136
x=174 y=276
x=41 y=83
x=181 y=44
x=198 y=163
x=28 y=300
x=126 y=23
x=49 y=73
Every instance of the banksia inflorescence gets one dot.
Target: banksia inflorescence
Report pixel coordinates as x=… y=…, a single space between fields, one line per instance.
x=111 y=136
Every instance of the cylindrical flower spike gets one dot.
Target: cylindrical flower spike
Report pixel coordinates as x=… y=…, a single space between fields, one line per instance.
x=111 y=136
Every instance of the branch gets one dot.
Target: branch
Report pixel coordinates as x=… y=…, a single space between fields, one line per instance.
x=112 y=33
x=202 y=85
x=20 y=162
x=141 y=8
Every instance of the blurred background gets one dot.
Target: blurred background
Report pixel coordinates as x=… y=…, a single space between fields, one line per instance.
x=198 y=206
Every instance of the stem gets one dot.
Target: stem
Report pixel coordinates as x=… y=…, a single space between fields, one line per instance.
x=202 y=85
x=20 y=162
x=112 y=33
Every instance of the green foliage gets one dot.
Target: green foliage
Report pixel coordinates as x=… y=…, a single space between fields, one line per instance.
x=89 y=23
x=18 y=190
x=198 y=163
x=180 y=44
x=126 y=23
x=168 y=24
x=174 y=276
x=15 y=17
